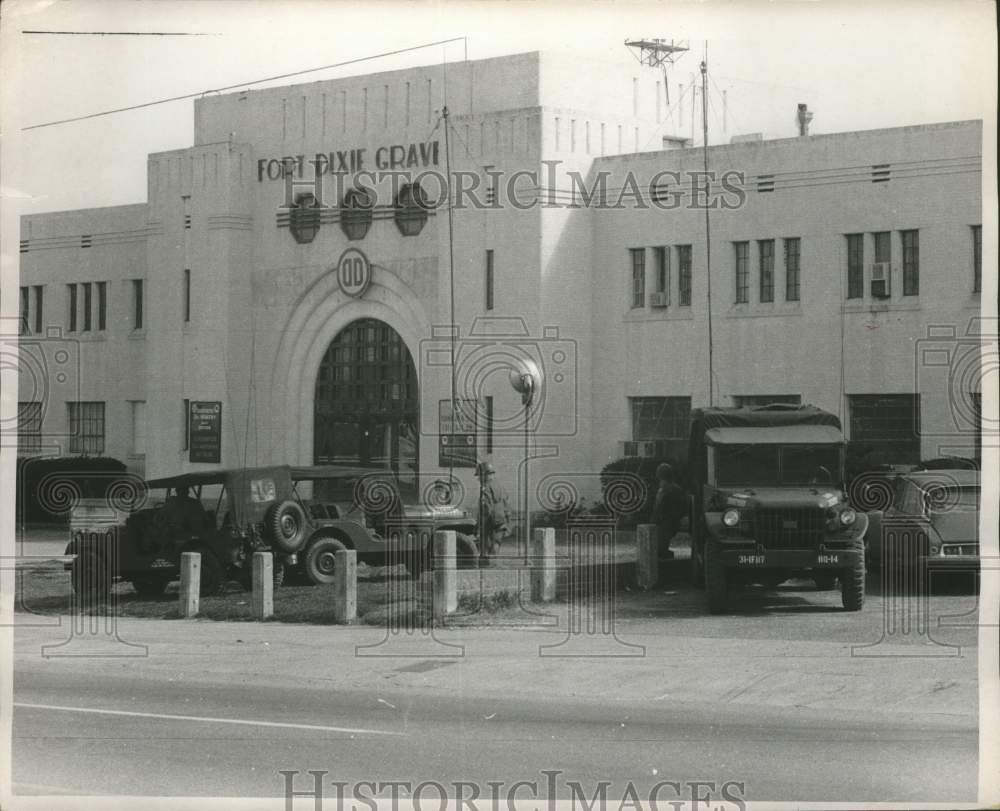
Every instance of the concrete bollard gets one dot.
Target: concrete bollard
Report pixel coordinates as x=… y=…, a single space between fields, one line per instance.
x=190 y=583
x=263 y=586
x=543 y=570
x=445 y=593
x=647 y=556
x=345 y=586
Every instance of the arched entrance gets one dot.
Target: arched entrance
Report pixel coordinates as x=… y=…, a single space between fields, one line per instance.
x=366 y=401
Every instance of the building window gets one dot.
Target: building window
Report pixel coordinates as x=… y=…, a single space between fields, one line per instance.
x=29 y=428
x=411 y=210
x=660 y=417
x=663 y=271
x=885 y=428
x=187 y=295
x=86 y=428
x=22 y=324
x=356 y=213
x=303 y=219
x=489 y=280
x=911 y=262
x=137 y=304
x=855 y=265
x=742 y=272
x=759 y=400
x=638 y=277
x=72 y=307
x=883 y=246
x=488 y=423
x=684 y=275
x=766 y=251
x=39 y=296
x=793 y=248
x=186 y=423
x=102 y=305
x=977 y=258
x=88 y=303
x=137 y=427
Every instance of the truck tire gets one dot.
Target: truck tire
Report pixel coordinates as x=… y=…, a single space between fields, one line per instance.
x=321 y=559
x=466 y=551
x=852 y=582
x=716 y=581
x=91 y=579
x=149 y=588
x=213 y=576
x=286 y=526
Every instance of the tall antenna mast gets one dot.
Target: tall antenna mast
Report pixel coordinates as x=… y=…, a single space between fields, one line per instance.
x=708 y=225
x=658 y=53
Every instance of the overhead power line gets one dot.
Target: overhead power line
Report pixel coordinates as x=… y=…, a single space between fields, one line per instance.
x=248 y=84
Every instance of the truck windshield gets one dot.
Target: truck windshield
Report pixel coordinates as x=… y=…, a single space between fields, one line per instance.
x=776 y=465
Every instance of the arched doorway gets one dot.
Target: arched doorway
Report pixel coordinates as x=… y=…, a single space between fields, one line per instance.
x=366 y=401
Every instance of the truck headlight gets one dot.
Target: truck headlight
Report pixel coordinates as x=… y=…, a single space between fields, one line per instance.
x=848 y=517
x=731 y=518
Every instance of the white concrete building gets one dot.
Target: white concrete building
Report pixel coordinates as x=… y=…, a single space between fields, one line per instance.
x=215 y=291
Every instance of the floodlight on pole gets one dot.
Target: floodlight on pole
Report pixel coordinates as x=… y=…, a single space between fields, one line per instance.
x=525 y=378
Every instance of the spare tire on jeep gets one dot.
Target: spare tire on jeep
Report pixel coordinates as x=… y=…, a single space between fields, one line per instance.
x=286 y=526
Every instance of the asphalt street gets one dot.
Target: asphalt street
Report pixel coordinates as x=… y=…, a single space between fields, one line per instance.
x=791 y=696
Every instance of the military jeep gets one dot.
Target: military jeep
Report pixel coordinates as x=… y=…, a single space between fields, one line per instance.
x=225 y=515
x=769 y=502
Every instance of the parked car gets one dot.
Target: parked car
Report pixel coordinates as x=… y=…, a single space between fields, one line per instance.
x=225 y=515
x=932 y=522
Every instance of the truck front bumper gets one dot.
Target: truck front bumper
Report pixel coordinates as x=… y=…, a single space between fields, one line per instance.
x=791 y=558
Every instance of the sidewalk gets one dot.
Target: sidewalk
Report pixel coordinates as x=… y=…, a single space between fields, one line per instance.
x=644 y=664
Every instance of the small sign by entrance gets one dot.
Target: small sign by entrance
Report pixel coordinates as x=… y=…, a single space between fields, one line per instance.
x=457 y=434
x=354 y=272
x=205 y=441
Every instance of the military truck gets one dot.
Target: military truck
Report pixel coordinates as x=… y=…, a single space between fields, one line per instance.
x=769 y=502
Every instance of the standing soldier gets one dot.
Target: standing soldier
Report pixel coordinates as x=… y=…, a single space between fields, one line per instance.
x=670 y=507
x=494 y=517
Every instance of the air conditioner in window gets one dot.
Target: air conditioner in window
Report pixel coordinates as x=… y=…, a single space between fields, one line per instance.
x=630 y=448
x=881 y=280
x=658 y=299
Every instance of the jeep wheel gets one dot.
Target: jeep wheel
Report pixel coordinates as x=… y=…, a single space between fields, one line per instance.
x=321 y=560
x=466 y=552
x=286 y=526
x=824 y=581
x=852 y=583
x=716 y=582
x=149 y=588
x=91 y=579
x=213 y=578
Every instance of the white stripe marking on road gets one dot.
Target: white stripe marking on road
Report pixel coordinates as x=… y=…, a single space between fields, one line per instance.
x=206 y=720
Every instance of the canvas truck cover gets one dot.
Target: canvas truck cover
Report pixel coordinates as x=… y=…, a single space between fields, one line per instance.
x=706 y=420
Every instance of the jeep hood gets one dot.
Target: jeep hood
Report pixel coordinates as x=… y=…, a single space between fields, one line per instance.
x=781 y=497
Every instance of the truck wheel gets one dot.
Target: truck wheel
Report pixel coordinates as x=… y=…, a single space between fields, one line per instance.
x=716 y=582
x=321 y=560
x=286 y=526
x=466 y=552
x=853 y=587
x=824 y=581
x=149 y=588
x=91 y=579
x=213 y=577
